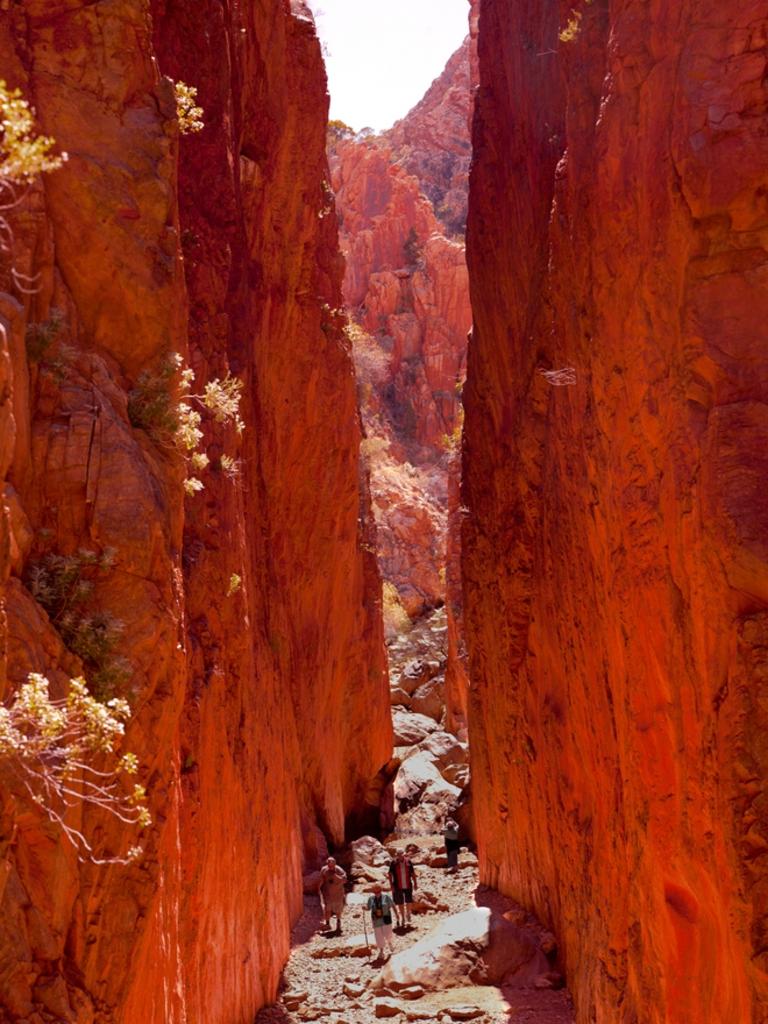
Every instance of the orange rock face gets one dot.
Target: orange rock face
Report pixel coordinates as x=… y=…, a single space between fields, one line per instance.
x=615 y=563
x=262 y=709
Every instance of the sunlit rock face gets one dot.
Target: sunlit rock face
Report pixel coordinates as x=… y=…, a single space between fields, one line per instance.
x=615 y=561
x=433 y=141
x=261 y=707
x=401 y=198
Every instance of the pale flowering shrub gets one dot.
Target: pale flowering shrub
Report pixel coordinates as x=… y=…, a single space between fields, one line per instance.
x=573 y=25
x=163 y=404
x=23 y=156
x=230 y=466
x=52 y=749
x=188 y=114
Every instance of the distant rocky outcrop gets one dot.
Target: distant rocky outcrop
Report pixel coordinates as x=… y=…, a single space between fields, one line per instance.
x=432 y=142
x=401 y=200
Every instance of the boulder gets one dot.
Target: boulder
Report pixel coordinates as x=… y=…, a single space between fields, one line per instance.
x=418 y=671
x=442 y=793
x=416 y=774
x=457 y=774
x=353 y=989
x=429 y=699
x=399 y=697
x=410 y=728
x=427 y=903
x=445 y=749
x=475 y=945
x=293 y=999
x=411 y=992
x=369 y=851
x=386 y=1008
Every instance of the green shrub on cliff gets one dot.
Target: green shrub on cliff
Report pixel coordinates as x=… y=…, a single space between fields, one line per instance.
x=64 y=586
x=163 y=404
x=39 y=337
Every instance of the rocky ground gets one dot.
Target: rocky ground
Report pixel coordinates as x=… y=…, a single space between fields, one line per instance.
x=470 y=953
x=435 y=972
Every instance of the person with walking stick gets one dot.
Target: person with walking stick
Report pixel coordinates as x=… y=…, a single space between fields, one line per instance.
x=380 y=906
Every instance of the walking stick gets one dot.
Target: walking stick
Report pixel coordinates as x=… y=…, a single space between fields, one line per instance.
x=365 y=930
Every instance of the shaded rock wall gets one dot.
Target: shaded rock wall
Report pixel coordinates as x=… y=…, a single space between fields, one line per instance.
x=260 y=713
x=614 y=549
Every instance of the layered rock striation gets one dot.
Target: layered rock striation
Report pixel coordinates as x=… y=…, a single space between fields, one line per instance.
x=615 y=563
x=249 y=613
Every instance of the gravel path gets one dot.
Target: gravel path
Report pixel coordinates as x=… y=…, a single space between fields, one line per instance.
x=328 y=977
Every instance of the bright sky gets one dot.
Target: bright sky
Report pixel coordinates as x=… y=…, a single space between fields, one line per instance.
x=382 y=55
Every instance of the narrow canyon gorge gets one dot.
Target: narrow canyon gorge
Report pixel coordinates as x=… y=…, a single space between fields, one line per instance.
x=374 y=479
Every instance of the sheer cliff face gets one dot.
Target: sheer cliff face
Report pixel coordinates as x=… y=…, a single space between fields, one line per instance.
x=615 y=545
x=259 y=712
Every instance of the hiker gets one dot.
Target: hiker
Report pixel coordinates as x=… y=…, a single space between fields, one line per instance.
x=402 y=879
x=380 y=906
x=332 y=895
x=451 y=839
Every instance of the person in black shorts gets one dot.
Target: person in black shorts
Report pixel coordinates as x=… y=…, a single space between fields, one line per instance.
x=402 y=879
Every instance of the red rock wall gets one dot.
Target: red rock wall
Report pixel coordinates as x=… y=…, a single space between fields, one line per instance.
x=615 y=561
x=257 y=714
x=457 y=669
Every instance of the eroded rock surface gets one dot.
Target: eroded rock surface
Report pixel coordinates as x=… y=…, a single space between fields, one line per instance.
x=615 y=559
x=262 y=709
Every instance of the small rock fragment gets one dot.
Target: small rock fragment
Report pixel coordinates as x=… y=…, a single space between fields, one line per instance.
x=353 y=989
x=464 y=1012
x=552 y=979
x=411 y=992
x=294 y=998
x=386 y=1008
